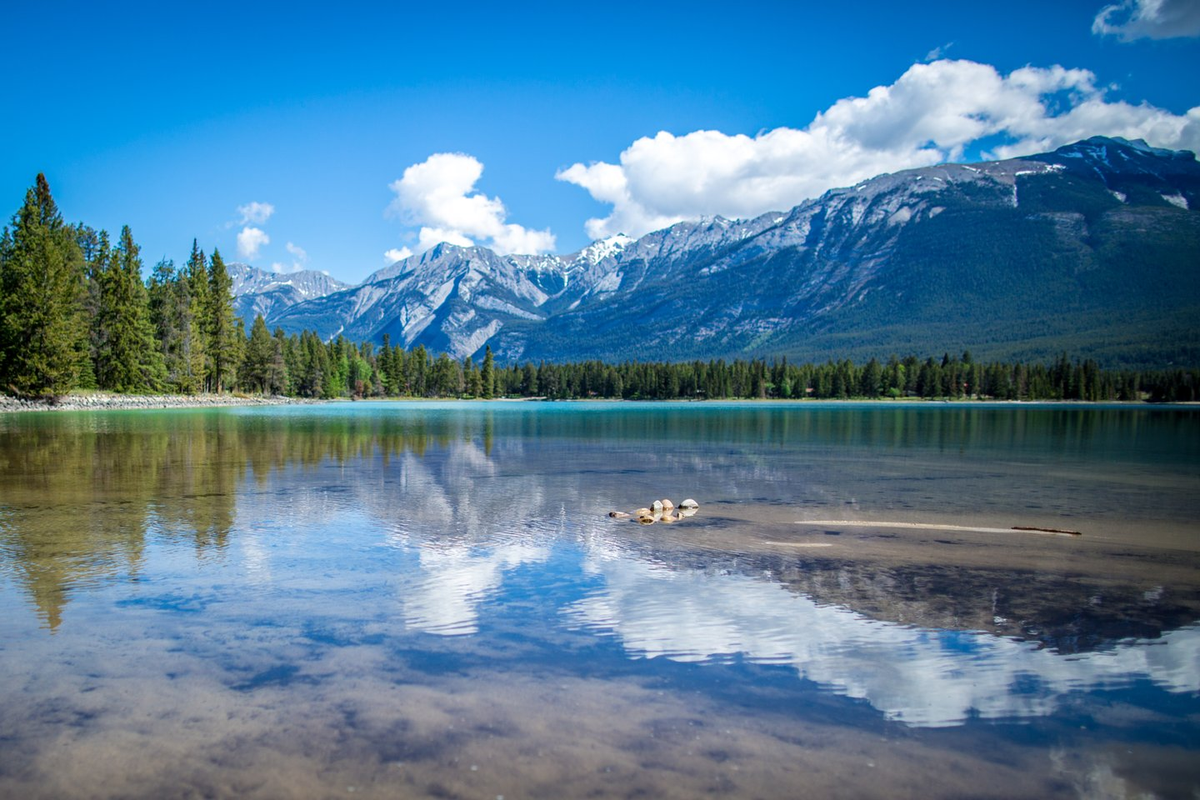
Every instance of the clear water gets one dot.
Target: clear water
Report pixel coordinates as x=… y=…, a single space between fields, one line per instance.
x=395 y=600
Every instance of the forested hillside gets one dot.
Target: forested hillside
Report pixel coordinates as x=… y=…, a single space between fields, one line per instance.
x=76 y=314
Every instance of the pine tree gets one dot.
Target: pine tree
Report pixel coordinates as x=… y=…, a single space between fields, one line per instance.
x=871 y=383
x=277 y=372
x=43 y=341
x=260 y=357
x=473 y=383
x=487 y=375
x=193 y=293
x=96 y=253
x=93 y=246
x=129 y=359
x=166 y=317
x=222 y=327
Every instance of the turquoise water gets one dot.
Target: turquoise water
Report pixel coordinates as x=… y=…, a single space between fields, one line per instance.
x=426 y=599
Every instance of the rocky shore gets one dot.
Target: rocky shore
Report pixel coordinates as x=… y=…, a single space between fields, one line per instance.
x=115 y=402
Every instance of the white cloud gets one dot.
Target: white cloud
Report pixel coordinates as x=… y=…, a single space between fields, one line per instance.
x=931 y=114
x=298 y=252
x=1148 y=19
x=428 y=237
x=299 y=262
x=937 y=52
x=255 y=213
x=439 y=195
x=250 y=240
x=397 y=254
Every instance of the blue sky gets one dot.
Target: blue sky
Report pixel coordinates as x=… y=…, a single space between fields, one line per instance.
x=325 y=136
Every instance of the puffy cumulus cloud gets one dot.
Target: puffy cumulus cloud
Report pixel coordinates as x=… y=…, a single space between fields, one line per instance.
x=439 y=195
x=397 y=254
x=255 y=213
x=428 y=237
x=931 y=114
x=1148 y=19
x=250 y=240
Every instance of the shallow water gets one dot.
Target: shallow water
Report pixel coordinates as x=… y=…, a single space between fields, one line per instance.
x=428 y=599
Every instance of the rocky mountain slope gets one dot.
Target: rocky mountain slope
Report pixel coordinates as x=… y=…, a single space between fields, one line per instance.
x=1092 y=249
x=271 y=293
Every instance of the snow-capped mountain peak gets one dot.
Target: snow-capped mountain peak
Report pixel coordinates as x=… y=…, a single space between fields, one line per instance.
x=601 y=249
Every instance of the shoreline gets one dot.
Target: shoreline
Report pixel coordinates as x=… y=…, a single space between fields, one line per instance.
x=100 y=401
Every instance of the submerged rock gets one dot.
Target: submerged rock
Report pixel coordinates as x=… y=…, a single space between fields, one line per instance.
x=618 y=515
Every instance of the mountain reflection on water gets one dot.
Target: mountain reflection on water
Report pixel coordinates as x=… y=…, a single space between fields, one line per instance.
x=459 y=499
x=915 y=675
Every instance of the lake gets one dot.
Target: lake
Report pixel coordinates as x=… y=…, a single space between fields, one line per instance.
x=430 y=600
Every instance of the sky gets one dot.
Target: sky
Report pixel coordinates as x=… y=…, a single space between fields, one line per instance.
x=342 y=137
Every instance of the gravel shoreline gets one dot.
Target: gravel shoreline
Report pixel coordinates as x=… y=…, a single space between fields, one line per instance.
x=119 y=402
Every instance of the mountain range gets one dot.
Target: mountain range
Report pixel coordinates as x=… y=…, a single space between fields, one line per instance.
x=1091 y=249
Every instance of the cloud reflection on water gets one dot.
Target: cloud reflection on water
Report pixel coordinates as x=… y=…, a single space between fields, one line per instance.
x=461 y=508
x=918 y=676
x=444 y=594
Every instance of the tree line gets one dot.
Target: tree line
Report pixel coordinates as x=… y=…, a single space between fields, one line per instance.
x=75 y=313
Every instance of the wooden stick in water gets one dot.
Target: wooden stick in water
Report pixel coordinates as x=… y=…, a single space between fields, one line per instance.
x=934 y=526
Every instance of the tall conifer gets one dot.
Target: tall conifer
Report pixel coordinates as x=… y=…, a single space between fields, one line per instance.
x=42 y=328
x=166 y=317
x=129 y=360
x=487 y=376
x=223 y=331
x=193 y=304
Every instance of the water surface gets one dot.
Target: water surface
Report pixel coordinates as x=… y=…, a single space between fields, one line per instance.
x=392 y=599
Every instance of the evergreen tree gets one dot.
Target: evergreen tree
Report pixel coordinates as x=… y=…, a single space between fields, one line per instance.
x=97 y=259
x=129 y=359
x=529 y=380
x=487 y=376
x=193 y=304
x=223 y=335
x=277 y=374
x=260 y=357
x=871 y=383
x=472 y=381
x=43 y=341
x=93 y=245
x=165 y=316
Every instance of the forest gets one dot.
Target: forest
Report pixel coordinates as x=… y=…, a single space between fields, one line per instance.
x=76 y=314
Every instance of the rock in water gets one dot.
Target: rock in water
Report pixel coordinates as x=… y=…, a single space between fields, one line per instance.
x=618 y=515
x=667 y=504
x=689 y=503
x=657 y=506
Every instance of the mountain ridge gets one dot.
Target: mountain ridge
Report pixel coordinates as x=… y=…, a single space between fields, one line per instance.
x=1089 y=248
